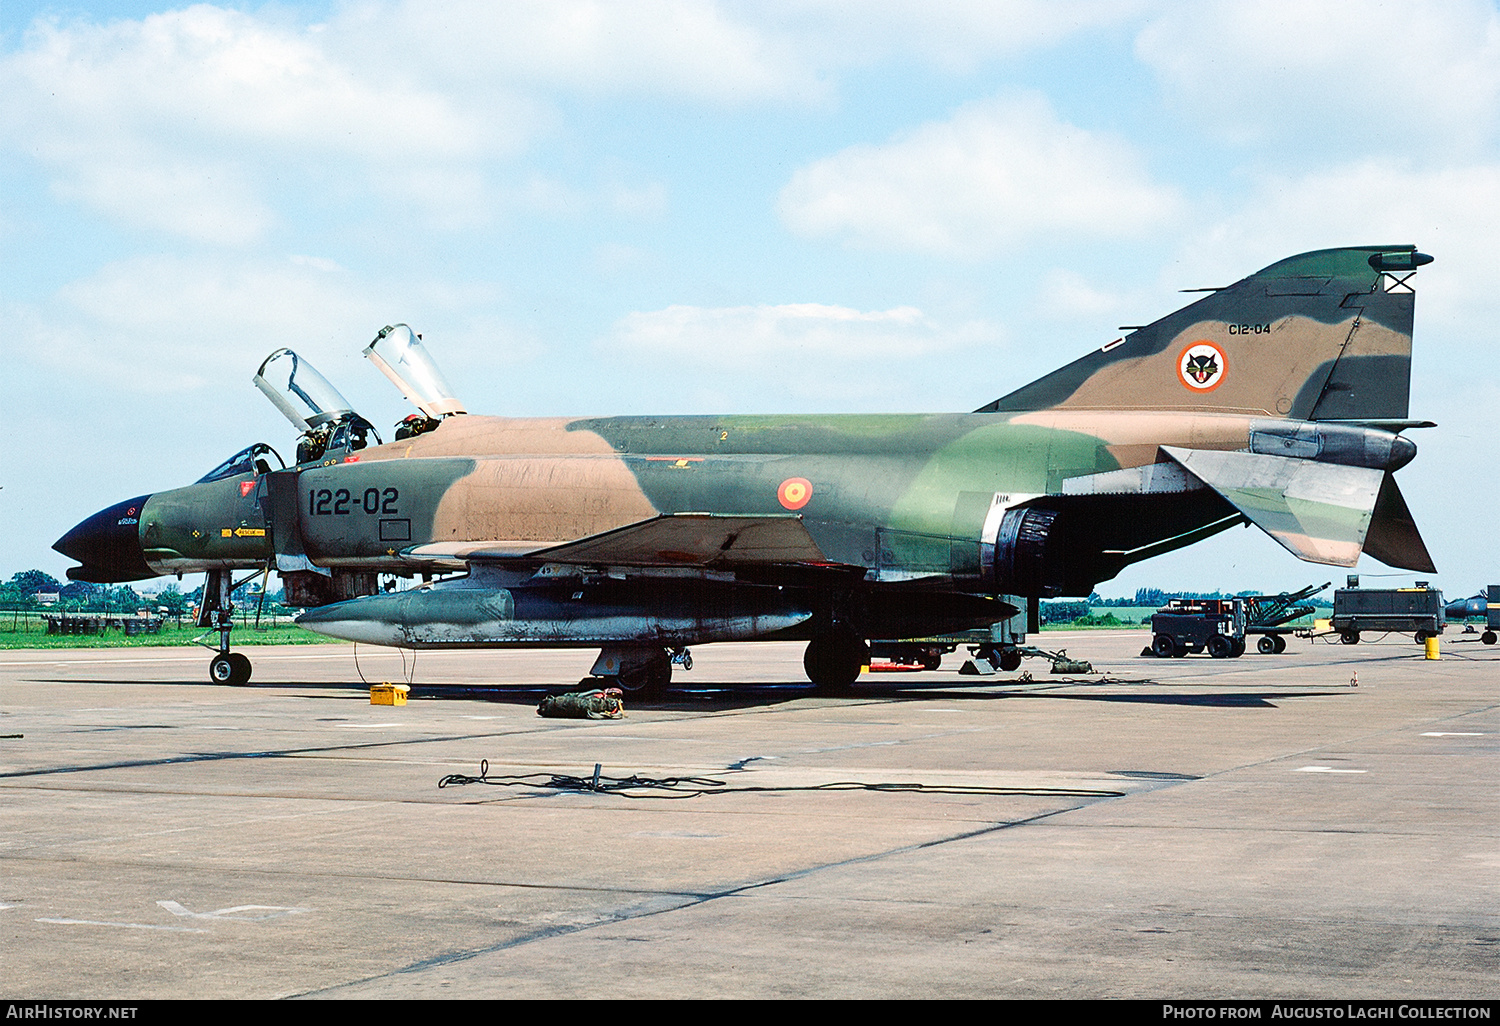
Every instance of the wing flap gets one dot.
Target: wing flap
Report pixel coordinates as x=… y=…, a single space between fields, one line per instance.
x=1320 y=512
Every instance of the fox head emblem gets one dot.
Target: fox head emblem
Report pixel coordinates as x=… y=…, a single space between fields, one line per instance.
x=1202 y=366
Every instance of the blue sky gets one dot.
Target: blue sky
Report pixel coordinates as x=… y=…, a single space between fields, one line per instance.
x=654 y=207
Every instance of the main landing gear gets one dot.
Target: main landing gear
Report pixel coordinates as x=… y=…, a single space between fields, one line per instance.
x=644 y=671
x=216 y=613
x=835 y=660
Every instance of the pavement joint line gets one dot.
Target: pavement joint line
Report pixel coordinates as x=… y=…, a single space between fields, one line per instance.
x=452 y=958
x=402 y=878
x=285 y=753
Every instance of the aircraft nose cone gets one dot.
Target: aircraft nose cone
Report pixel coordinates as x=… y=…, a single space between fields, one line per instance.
x=1403 y=451
x=108 y=544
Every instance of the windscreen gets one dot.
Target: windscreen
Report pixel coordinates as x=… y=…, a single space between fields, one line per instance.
x=249 y=460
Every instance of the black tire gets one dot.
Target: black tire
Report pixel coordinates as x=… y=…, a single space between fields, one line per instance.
x=650 y=679
x=1280 y=644
x=1220 y=647
x=1163 y=646
x=220 y=669
x=1349 y=637
x=1010 y=660
x=239 y=669
x=1266 y=645
x=1488 y=637
x=1239 y=648
x=834 y=661
x=931 y=659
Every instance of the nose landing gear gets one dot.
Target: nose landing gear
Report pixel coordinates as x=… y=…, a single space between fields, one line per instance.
x=217 y=614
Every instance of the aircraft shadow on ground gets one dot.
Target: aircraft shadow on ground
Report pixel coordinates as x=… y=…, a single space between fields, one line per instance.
x=727 y=696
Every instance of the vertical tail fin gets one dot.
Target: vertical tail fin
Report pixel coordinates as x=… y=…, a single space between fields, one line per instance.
x=1321 y=336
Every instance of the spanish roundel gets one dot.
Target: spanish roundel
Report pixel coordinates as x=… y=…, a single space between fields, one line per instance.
x=794 y=492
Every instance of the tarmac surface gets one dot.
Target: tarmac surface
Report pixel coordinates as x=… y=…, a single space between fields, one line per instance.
x=1180 y=828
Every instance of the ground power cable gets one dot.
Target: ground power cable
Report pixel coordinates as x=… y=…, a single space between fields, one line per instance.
x=693 y=787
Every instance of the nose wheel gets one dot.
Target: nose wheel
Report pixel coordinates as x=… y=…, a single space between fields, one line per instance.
x=229 y=668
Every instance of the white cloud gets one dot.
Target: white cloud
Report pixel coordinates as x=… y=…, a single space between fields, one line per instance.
x=169 y=325
x=997 y=173
x=679 y=48
x=754 y=335
x=1068 y=296
x=955 y=36
x=796 y=356
x=180 y=121
x=1452 y=213
x=216 y=73
x=1330 y=75
x=204 y=201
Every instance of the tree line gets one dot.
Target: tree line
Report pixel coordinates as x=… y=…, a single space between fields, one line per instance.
x=21 y=591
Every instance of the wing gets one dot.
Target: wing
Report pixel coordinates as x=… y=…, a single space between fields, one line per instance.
x=709 y=541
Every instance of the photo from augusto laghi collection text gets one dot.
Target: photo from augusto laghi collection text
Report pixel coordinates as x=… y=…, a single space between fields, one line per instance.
x=1359 y=1010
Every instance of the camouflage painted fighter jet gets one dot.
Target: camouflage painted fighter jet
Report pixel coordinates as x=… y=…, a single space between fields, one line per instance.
x=1278 y=401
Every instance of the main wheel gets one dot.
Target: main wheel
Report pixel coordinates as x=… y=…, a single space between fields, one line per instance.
x=221 y=670
x=1220 y=647
x=834 y=661
x=1010 y=660
x=931 y=659
x=648 y=679
x=1163 y=646
x=1266 y=645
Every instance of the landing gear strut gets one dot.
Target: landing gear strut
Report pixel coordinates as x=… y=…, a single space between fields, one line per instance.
x=217 y=614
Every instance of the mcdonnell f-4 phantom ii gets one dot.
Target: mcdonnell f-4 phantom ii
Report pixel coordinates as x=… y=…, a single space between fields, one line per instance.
x=1279 y=401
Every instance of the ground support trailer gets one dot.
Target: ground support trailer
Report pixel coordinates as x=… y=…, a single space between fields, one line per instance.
x=1416 y=611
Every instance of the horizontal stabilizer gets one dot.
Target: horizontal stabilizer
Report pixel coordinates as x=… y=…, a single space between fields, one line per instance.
x=1319 y=512
x=704 y=540
x=1394 y=538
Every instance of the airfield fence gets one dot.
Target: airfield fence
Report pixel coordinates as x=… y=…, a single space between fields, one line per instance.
x=42 y=622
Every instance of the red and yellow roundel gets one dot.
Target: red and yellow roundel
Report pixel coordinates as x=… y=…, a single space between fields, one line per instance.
x=794 y=492
x=1202 y=366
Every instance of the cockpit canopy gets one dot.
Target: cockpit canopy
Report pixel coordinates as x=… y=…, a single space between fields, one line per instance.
x=296 y=388
x=399 y=354
x=328 y=424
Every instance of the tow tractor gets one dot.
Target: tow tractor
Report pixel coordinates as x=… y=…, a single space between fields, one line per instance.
x=1196 y=625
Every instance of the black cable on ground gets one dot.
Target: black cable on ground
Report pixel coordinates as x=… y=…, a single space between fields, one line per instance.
x=693 y=787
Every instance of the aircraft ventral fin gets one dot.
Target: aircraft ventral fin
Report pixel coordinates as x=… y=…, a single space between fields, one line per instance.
x=1319 y=512
x=707 y=540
